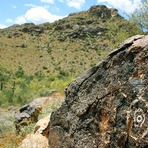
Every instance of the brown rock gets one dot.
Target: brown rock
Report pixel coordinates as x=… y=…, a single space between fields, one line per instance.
x=34 y=141
x=41 y=126
x=107 y=106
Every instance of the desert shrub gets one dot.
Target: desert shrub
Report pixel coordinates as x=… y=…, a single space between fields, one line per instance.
x=60 y=84
x=20 y=72
x=49 y=50
x=62 y=74
x=8 y=93
x=44 y=67
x=18 y=88
x=43 y=92
x=4 y=77
x=51 y=78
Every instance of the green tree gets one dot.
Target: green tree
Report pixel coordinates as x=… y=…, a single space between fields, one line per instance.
x=140 y=16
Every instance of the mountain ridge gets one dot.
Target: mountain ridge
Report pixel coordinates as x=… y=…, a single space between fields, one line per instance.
x=47 y=43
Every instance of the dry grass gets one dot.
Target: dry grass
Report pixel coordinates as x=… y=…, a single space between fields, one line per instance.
x=11 y=140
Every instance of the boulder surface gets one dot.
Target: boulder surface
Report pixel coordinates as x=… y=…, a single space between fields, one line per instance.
x=107 y=105
x=34 y=141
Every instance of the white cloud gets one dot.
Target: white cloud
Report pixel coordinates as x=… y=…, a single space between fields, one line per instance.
x=2 y=26
x=127 y=6
x=37 y=15
x=30 y=5
x=9 y=20
x=48 y=1
x=40 y=15
x=20 y=20
x=75 y=3
x=34 y=6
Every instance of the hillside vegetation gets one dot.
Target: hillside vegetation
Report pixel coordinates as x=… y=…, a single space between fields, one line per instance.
x=35 y=59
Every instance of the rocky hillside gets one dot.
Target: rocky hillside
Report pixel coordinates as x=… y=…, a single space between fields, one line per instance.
x=71 y=44
x=36 y=59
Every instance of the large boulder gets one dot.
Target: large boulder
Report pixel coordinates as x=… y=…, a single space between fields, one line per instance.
x=106 y=106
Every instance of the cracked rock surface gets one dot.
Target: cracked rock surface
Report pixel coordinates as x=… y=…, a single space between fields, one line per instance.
x=106 y=106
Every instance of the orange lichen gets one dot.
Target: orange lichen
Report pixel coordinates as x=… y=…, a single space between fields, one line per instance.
x=104 y=124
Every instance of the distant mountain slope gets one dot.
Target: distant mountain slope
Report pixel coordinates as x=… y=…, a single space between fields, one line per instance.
x=71 y=44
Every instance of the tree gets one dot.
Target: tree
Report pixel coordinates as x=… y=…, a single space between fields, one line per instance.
x=140 y=16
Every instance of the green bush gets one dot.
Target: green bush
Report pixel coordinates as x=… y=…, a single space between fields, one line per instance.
x=19 y=88
x=20 y=72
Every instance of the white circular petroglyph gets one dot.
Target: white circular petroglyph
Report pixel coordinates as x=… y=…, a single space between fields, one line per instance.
x=139 y=117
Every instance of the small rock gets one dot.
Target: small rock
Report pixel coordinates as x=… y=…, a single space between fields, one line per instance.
x=41 y=126
x=34 y=141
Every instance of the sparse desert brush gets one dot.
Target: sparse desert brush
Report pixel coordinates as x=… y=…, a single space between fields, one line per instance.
x=18 y=88
x=10 y=140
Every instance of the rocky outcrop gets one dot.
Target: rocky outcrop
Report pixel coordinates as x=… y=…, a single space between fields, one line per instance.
x=77 y=26
x=107 y=105
x=82 y=32
x=35 y=30
x=103 y=12
x=29 y=113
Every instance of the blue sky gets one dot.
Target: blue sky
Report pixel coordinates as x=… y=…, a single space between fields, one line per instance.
x=40 y=11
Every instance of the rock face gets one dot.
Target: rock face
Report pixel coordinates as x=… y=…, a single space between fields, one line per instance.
x=81 y=28
x=103 y=11
x=107 y=105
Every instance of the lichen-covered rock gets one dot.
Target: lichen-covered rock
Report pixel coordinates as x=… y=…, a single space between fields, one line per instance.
x=107 y=105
